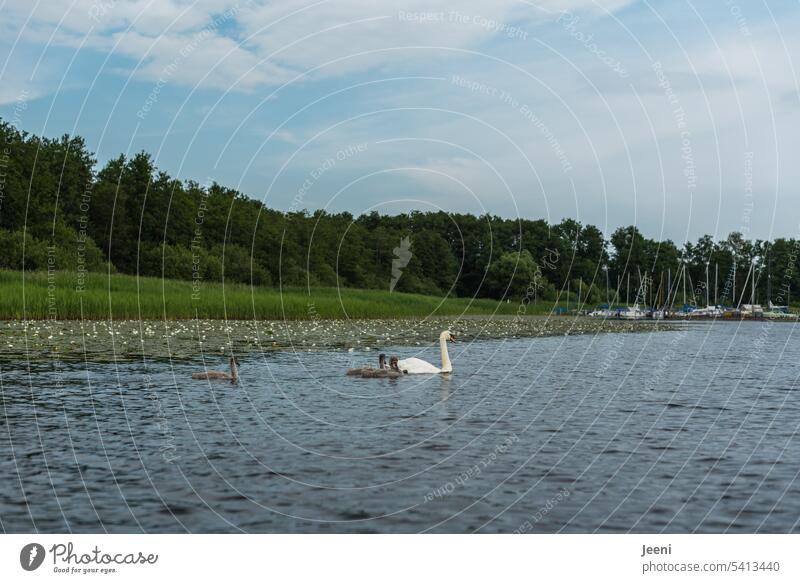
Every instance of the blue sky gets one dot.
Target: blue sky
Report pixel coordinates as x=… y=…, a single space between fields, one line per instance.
x=679 y=117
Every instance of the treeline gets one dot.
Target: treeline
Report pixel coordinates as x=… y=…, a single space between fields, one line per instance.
x=58 y=211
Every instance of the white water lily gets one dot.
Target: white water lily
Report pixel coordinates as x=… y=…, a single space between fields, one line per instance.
x=185 y=338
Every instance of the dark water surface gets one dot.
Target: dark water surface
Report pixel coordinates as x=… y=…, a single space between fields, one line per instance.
x=680 y=431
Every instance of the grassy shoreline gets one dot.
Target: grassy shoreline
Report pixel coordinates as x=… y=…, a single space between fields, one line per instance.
x=124 y=317
x=41 y=296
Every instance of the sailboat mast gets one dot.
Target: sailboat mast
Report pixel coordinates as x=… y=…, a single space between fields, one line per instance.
x=684 y=284
x=769 y=282
x=628 y=291
x=640 y=291
x=744 y=286
x=669 y=285
x=716 y=283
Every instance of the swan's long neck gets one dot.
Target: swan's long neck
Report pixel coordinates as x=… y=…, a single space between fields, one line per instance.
x=234 y=370
x=447 y=366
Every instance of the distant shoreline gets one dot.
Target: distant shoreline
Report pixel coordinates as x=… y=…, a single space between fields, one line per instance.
x=52 y=296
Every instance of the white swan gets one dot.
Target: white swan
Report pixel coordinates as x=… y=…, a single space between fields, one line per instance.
x=419 y=366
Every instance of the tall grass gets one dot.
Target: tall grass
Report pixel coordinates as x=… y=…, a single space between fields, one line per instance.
x=39 y=295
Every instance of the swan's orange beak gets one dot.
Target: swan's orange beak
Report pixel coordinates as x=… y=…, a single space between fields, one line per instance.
x=452 y=337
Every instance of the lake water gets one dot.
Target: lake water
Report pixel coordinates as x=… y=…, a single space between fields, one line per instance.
x=677 y=431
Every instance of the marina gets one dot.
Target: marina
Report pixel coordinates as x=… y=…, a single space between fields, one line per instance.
x=662 y=303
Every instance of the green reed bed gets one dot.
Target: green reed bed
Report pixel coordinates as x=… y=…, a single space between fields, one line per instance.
x=63 y=296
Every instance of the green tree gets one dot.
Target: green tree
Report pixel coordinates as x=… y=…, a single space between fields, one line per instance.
x=510 y=275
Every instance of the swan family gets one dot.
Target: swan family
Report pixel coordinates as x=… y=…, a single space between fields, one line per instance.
x=395 y=369
x=408 y=365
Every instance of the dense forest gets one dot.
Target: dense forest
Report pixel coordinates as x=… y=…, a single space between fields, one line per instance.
x=59 y=211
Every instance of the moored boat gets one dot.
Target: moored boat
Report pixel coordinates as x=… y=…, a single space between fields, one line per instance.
x=632 y=313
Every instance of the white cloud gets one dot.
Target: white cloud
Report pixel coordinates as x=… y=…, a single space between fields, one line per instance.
x=268 y=44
